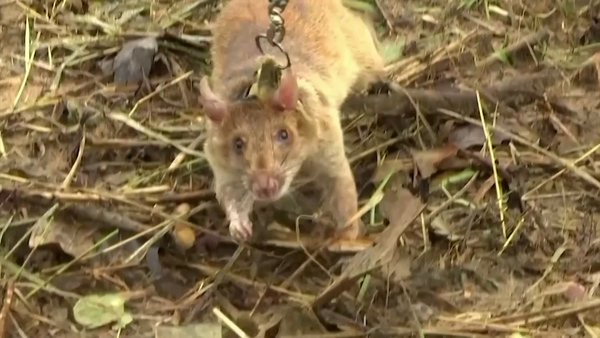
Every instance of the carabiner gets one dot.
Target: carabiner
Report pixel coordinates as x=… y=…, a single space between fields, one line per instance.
x=274 y=44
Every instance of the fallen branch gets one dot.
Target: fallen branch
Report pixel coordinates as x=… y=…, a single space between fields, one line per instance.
x=513 y=92
x=525 y=43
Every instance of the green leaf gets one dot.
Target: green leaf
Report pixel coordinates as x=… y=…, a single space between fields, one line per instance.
x=392 y=51
x=97 y=310
x=361 y=6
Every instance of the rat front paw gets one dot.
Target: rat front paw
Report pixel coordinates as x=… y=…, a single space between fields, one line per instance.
x=240 y=230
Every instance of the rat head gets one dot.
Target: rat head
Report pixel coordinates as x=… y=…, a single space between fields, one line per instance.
x=263 y=140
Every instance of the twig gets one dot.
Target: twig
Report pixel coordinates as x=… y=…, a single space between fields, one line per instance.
x=490 y=145
x=526 y=42
x=159 y=89
x=386 y=15
x=589 y=153
x=8 y=297
x=230 y=324
x=428 y=218
x=67 y=182
x=296 y=296
x=29 y=55
x=201 y=303
x=181 y=156
x=135 y=125
x=567 y=164
x=519 y=90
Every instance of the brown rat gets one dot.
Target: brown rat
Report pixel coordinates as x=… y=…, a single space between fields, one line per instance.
x=257 y=146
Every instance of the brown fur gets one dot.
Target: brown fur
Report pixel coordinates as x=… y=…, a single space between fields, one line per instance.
x=332 y=52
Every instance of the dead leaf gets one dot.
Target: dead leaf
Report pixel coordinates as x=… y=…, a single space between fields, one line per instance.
x=300 y=321
x=207 y=242
x=398 y=266
x=106 y=66
x=70 y=282
x=445 y=129
x=547 y=131
x=483 y=189
x=423 y=311
x=401 y=208
x=428 y=160
x=587 y=74
x=272 y=321
x=592 y=33
x=128 y=253
x=242 y=319
x=134 y=62
x=74 y=239
x=153 y=261
x=571 y=290
x=470 y=135
x=390 y=167
x=119 y=178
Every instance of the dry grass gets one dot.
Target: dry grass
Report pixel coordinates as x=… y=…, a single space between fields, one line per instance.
x=104 y=189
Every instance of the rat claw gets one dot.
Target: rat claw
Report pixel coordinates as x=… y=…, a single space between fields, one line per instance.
x=240 y=230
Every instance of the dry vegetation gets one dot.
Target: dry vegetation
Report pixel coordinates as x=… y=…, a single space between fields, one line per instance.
x=108 y=224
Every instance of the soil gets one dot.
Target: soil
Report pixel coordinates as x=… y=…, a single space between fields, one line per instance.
x=110 y=227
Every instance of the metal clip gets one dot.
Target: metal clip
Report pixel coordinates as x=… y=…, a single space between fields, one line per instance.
x=276 y=45
x=276 y=31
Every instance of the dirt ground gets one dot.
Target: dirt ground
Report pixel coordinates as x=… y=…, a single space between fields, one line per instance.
x=110 y=228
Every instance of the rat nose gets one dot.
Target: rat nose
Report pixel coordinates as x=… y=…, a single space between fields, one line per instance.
x=265 y=185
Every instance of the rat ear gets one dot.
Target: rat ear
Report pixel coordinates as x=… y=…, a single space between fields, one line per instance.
x=286 y=96
x=214 y=107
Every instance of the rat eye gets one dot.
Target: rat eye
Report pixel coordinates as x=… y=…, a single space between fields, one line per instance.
x=238 y=144
x=282 y=135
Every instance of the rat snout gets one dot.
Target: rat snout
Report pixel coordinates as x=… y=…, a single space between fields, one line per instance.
x=266 y=185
